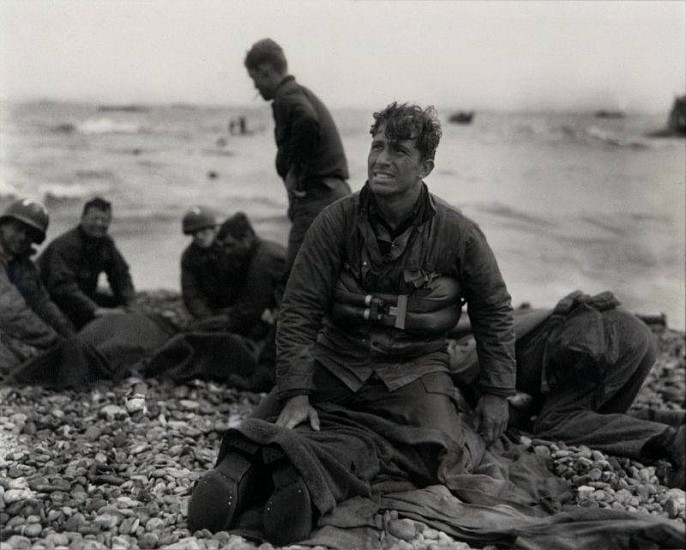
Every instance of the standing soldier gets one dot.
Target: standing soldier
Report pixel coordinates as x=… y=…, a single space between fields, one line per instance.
x=310 y=157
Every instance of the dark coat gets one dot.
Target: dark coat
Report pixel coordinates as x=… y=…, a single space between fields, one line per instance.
x=440 y=242
x=204 y=287
x=233 y=291
x=306 y=137
x=24 y=275
x=70 y=267
x=18 y=320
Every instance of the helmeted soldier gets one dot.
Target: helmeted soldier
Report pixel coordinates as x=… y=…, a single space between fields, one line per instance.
x=29 y=321
x=231 y=281
x=228 y=275
x=199 y=277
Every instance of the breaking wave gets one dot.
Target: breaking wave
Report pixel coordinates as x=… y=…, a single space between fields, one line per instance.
x=610 y=138
x=101 y=125
x=504 y=211
x=109 y=126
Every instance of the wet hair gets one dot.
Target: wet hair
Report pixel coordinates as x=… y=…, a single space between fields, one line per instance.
x=266 y=51
x=99 y=203
x=406 y=121
x=238 y=226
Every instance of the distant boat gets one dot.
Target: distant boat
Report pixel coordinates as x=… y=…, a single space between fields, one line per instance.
x=677 y=117
x=609 y=114
x=462 y=117
x=676 y=122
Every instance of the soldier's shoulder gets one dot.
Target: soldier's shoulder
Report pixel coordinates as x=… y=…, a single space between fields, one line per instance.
x=450 y=212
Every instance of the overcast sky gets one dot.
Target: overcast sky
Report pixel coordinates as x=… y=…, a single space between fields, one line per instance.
x=510 y=55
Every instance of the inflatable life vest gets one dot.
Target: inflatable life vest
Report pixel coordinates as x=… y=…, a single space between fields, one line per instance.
x=432 y=310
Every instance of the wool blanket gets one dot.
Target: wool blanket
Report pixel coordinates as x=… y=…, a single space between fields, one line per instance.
x=360 y=466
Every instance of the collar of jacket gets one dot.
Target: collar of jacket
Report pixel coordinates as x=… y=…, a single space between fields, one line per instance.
x=91 y=240
x=423 y=210
x=284 y=86
x=6 y=261
x=213 y=250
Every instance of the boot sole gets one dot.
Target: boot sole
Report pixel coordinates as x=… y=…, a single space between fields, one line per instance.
x=288 y=512
x=219 y=495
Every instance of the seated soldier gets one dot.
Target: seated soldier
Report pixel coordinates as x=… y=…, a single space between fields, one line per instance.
x=200 y=279
x=232 y=287
x=244 y=281
x=72 y=263
x=29 y=322
x=582 y=365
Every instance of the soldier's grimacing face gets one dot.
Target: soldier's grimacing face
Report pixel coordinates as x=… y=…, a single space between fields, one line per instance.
x=394 y=167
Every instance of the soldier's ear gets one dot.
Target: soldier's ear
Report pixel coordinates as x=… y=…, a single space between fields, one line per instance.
x=426 y=167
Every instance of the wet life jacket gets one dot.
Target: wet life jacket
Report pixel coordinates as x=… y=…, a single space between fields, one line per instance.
x=434 y=309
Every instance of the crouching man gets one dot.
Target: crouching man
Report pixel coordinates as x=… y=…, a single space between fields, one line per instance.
x=29 y=322
x=201 y=281
x=581 y=366
x=231 y=282
x=362 y=363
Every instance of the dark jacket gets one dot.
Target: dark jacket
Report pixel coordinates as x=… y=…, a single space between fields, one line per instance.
x=440 y=242
x=578 y=335
x=70 y=267
x=306 y=137
x=204 y=287
x=575 y=340
x=237 y=290
x=261 y=289
x=24 y=275
x=17 y=318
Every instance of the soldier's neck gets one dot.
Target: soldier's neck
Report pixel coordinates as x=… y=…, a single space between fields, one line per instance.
x=395 y=210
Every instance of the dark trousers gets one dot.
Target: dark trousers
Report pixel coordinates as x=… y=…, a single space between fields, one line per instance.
x=582 y=410
x=429 y=402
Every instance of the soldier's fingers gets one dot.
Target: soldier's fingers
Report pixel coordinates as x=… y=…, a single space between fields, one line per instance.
x=282 y=420
x=314 y=420
x=476 y=422
x=293 y=422
x=489 y=430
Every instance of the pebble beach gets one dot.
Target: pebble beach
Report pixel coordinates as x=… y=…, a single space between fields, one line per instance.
x=113 y=465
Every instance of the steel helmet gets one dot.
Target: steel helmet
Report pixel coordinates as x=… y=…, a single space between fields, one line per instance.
x=197 y=218
x=31 y=213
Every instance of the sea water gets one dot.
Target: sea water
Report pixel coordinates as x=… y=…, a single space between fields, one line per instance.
x=567 y=200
